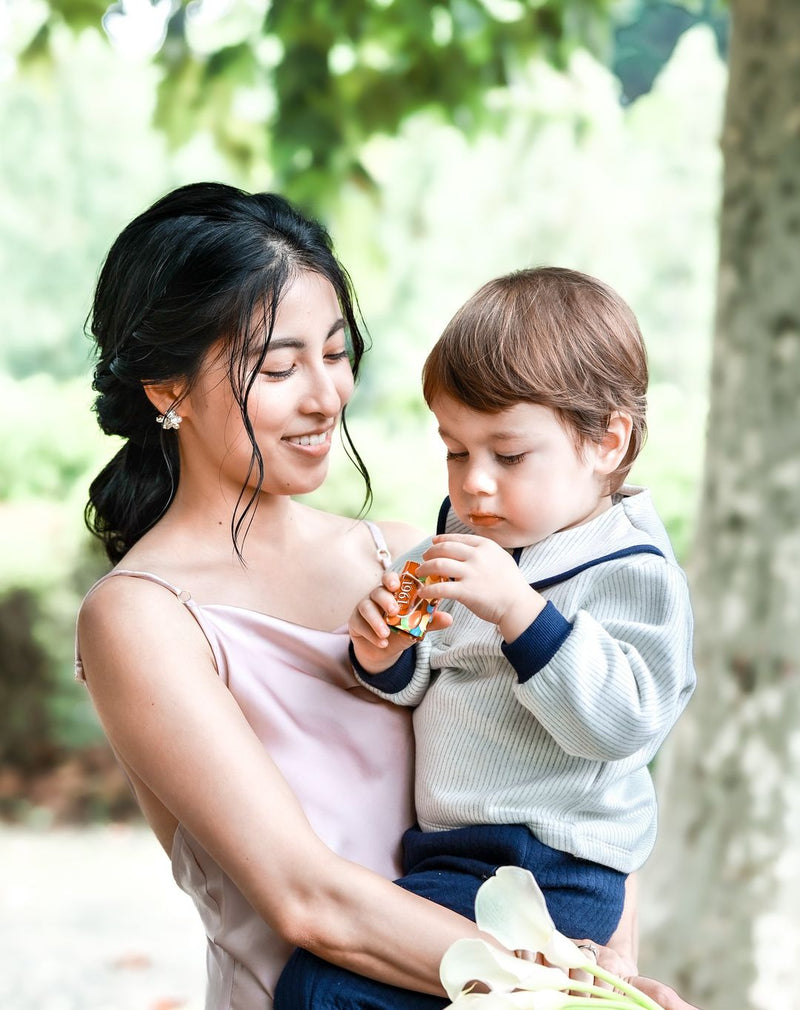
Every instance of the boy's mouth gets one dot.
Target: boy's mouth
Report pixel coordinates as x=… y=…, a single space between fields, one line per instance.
x=484 y=519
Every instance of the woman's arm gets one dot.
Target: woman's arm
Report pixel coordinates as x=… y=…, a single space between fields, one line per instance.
x=175 y=725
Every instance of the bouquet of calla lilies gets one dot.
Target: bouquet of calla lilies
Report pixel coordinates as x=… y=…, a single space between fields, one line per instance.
x=511 y=908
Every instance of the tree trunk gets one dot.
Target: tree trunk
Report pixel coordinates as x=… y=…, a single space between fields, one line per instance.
x=727 y=866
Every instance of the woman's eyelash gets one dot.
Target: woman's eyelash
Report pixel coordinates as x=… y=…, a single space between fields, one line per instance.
x=284 y=374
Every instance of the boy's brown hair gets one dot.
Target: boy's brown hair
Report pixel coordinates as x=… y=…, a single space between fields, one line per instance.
x=550 y=336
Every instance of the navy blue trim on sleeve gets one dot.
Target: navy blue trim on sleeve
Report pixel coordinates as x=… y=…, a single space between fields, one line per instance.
x=538 y=643
x=390 y=681
x=624 y=552
x=441 y=520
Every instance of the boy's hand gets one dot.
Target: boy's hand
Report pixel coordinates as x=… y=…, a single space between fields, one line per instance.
x=375 y=645
x=485 y=578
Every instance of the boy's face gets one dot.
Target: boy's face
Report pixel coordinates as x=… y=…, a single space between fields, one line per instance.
x=518 y=476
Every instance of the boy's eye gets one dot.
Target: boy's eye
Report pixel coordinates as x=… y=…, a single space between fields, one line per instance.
x=511 y=460
x=455 y=456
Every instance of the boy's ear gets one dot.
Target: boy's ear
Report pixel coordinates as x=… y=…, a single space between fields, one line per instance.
x=614 y=444
x=163 y=395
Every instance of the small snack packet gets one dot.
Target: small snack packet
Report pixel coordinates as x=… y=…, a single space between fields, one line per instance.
x=415 y=613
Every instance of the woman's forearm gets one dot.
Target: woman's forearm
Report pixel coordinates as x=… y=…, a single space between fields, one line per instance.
x=373 y=927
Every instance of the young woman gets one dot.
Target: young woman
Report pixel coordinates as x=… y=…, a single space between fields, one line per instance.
x=216 y=650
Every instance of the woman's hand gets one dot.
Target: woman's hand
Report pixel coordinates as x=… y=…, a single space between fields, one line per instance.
x=662 y=994
x=606 y=957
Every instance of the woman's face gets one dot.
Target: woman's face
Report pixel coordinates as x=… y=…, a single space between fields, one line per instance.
x=295 y=402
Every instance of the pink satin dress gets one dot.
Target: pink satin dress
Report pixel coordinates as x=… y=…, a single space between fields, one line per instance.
x=346 y=754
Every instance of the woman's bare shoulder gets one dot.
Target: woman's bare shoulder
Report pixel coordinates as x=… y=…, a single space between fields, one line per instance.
x=121 y=591
x=125 y=617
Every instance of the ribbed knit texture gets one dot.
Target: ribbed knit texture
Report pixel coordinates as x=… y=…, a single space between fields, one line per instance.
x=557 y=733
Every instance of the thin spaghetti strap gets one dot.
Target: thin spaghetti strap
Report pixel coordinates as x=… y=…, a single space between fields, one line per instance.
x=381 y=549
x=181 y=594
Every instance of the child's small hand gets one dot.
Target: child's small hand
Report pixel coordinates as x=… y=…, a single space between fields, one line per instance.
x=485 y=578
x=375 y=646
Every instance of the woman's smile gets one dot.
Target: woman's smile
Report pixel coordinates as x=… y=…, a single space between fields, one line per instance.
x=316 y=443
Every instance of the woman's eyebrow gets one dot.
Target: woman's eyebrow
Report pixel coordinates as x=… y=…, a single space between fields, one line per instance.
x=297 y=343
x=278 y=343
x=338 y=325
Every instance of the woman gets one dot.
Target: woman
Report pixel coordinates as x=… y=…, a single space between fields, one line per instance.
x=215 y=651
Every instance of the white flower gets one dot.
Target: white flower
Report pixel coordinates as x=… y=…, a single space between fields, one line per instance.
x=468 y=960
x=512 y=909
x=544 y=1000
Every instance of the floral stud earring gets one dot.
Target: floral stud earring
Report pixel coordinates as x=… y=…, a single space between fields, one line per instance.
x=172 y=419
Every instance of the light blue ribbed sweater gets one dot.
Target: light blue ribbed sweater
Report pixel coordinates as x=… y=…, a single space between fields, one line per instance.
x=555 y=731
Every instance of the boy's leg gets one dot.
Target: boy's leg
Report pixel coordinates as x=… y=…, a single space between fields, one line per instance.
x=309 y=983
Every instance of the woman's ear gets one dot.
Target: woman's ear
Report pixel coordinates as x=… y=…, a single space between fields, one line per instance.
x=164 y=395
x=612 y=447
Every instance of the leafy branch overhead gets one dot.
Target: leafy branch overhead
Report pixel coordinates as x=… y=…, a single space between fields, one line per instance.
x=304 y=85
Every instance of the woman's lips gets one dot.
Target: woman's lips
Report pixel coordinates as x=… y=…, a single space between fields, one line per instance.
x=311 y=444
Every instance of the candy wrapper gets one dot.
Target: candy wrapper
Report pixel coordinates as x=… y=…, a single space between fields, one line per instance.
x=415 y=613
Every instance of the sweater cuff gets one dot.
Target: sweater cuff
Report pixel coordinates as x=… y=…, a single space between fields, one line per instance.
x=538 y=643
x=391 y=680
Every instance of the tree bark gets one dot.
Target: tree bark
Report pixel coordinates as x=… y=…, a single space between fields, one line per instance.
x=727 y=867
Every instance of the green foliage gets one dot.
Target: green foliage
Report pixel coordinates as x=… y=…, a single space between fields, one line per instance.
x=341 y=73
x=78 y=160
x=338 y=74
x=56 y=442
x=647 y=33
x=356 y=69
x=26 y=681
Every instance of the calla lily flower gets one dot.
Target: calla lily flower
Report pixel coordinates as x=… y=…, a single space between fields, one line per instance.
x=544 y=1000
x=511 y=908
x=470 y=959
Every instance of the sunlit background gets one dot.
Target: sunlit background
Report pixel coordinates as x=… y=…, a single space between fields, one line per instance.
x=565 y=168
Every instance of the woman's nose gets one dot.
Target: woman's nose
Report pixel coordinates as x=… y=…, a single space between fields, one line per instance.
x=322 y=395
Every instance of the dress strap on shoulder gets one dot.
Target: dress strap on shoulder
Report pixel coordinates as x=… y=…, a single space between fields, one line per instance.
x=381 y=549
x=181 y=594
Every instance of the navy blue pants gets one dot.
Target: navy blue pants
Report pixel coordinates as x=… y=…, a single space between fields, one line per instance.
x=584 y=900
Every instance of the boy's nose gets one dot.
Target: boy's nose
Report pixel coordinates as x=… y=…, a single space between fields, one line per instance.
x=477 y=480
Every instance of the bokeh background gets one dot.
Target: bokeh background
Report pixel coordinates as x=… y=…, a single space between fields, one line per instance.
x=442 y=144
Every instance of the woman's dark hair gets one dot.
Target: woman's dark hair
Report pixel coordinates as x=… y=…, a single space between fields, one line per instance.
x=205 y=263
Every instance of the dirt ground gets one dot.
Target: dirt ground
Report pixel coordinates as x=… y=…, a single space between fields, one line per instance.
x=90 y=919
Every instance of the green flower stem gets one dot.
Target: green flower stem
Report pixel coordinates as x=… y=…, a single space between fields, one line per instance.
x=594 y=990
x=630 y=990
x=613 y=1003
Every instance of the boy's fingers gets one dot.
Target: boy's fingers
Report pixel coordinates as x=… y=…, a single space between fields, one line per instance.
x=440 y=620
